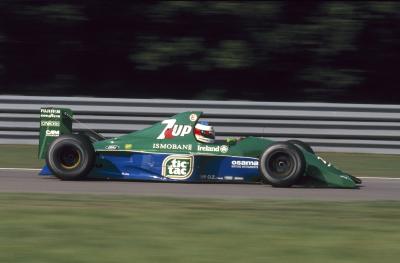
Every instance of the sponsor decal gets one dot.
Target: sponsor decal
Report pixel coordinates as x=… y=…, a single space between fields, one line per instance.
x=211 y=148
x=172 y=130
x=224 y=148
x=112 y=147
x=50 y=123
x=52 y=133
x=179 y=167
x=128 y=146
x=234 y=178
x=52 y=116
x=244 y=164
x=345 y=177
x=193 y=117
x=172 y=146
x=50 y=113
x=210 y=177
x=325 y=162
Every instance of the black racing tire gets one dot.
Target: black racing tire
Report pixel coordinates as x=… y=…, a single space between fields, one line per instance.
x=302 y=145
x=282 y=164
x=70 y=157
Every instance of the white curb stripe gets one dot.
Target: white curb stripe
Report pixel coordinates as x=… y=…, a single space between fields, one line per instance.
x=21 y=169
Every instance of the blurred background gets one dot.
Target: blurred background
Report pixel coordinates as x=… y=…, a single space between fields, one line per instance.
x=233 y=50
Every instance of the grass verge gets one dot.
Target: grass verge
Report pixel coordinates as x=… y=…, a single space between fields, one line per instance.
x=20 y=156
x=381 y=165
x=64 y=228
x=361 y=164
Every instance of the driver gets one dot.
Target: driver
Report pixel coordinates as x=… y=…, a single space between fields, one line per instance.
x=204 y=132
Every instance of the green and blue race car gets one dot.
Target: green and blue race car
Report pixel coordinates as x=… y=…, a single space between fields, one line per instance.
x=170 y=151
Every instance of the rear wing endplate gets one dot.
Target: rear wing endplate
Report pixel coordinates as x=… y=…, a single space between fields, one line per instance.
x=53 y=123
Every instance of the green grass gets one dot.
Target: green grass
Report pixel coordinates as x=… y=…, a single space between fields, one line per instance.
x=380 y=165
x=19 y=156
x=65 y=228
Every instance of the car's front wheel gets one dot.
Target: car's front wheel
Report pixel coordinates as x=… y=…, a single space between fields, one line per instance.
x=70 y=157
x=282 y=164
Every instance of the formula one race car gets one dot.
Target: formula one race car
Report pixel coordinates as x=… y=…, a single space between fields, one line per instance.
x=176 y=150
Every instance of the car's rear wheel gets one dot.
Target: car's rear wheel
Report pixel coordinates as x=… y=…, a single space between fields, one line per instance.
x=70 y=157
x=282 y=165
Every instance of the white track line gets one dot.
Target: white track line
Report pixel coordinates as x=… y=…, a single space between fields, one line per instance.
x=20 y=169
x=381 y=178
x=35 y=169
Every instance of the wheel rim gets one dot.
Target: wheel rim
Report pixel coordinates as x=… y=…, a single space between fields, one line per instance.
x=69 y=157
x=280 y=164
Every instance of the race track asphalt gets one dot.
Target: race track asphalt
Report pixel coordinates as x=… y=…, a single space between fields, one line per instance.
x=16 y=181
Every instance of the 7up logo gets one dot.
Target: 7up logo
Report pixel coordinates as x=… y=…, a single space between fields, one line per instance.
x=172 y=130
x=178 y=167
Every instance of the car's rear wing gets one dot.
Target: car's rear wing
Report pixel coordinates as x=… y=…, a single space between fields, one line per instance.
x=53 y=123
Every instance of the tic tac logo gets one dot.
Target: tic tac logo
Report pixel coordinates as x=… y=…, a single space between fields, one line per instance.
x=172 y=130
x=179 y=167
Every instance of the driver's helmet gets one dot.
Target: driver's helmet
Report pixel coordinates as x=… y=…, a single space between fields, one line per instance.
x=204 y=132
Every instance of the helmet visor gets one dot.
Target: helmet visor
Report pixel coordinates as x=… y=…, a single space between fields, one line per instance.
x=206 y=134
